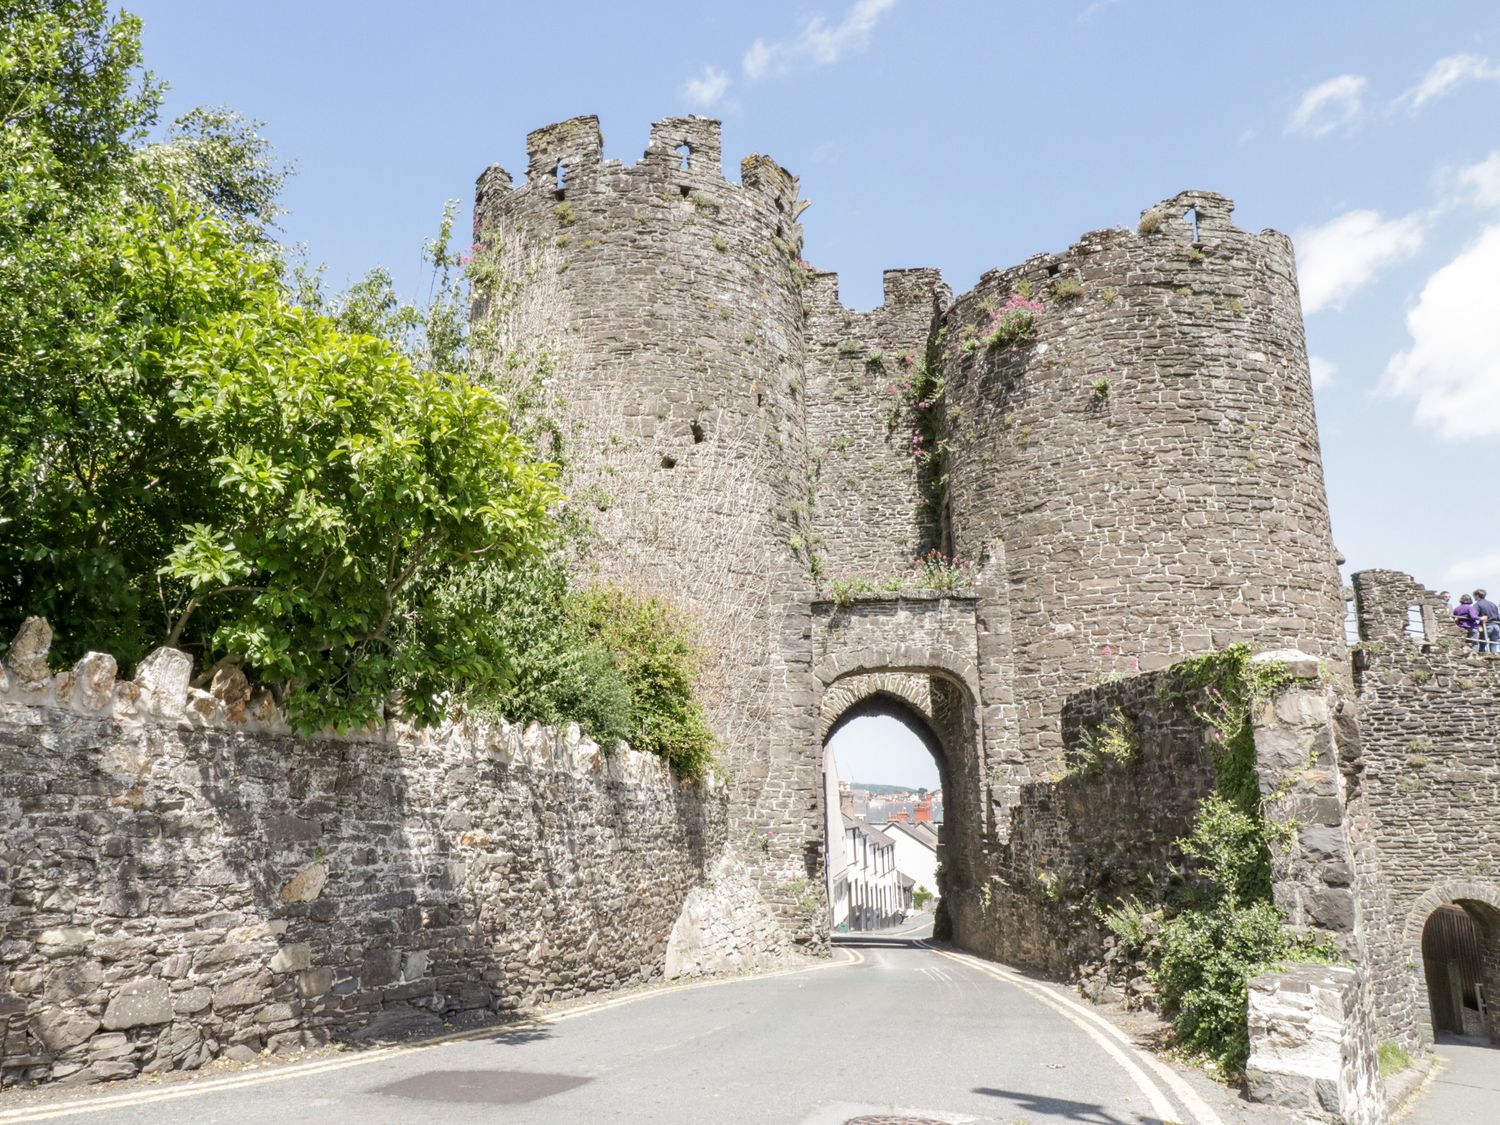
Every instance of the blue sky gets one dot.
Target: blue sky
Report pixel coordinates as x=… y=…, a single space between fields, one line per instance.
x=969 y=134
x=880 y=750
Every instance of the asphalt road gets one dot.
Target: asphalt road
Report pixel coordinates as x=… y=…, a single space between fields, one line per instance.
x=1465 y=1091
x=889 y=1027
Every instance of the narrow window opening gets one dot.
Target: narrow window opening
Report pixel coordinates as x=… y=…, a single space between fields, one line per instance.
x=685 y=190
x=698 y=435
x=668 y=461
x=1191 y=218
x=1416 y=626
x=1054 y=269
x=1351 y=623
x=560 y=179
x=687 y=152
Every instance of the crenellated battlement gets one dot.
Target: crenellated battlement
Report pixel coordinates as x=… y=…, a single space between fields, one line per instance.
x=566 y=159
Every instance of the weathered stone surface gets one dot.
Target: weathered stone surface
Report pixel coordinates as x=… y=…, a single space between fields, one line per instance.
x=307 y=884
x=71 y=981
x=93 y=682
x=1313 y=1046
x=64 y=941
x=61 y=1028
x=26 y=659
x=231 y=688
x=163 y=678
x=314 y=982
x=242 y=992
x=139 y=1002
x=292 y=958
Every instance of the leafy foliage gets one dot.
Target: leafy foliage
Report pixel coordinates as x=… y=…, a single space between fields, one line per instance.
x=1116 y=741
x=189 y=458
x=550 y=670
x=649 y=643
x=1210 y=951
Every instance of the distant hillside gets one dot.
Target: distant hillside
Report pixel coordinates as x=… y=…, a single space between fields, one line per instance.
x=875 y=787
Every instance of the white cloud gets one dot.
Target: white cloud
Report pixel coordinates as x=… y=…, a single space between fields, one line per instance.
x=1323 y=370
x=1347 y=253
x=1483 y=571
x=1480 y=183
x=1328 y=106
x=1452 y=369
x=819 y=43
x=706 y=90
x=1447 y=73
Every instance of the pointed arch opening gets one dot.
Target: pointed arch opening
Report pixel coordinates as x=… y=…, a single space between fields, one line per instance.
x=899 y=821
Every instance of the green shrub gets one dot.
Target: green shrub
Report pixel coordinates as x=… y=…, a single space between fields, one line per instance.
x=1132 y=922
x=1230 y=932
x=542 y=667
x=1116 y=741
x=188 y=457
x=648 y=642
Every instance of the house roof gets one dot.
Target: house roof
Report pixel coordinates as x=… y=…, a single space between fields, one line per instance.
x=873 y=834
x=918 y=832
x=905 y=880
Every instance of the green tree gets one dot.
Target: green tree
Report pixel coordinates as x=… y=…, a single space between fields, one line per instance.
x=188 y=457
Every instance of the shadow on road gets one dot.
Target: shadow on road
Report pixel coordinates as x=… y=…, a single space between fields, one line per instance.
x=481 y=1087
x=1090 y=1112
x=875 y=941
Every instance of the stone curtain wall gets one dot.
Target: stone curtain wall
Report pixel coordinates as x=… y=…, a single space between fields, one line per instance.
x=1075 y=843
x=869 y=515
x=181 y=879
x=1429 y=718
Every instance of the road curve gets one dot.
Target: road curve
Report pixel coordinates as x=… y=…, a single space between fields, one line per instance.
x=892 y=1028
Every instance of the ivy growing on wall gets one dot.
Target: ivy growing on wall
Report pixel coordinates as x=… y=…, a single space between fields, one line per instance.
x=1224 y=928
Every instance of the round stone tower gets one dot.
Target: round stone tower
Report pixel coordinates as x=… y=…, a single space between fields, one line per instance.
x=1148 y=458
x=667 y=304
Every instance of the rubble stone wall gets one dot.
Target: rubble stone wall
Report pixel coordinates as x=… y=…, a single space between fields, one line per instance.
x=182 y=878
x=1429 y=723
x=1082 y=840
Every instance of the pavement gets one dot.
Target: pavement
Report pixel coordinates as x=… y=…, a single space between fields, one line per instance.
x=890 y=1027
x=1464 y=1091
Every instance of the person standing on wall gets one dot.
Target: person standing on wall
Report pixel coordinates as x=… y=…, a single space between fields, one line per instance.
x=1489 y=622
x=1467 y=619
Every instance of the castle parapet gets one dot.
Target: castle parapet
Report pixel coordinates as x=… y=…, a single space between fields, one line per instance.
x=567 y=149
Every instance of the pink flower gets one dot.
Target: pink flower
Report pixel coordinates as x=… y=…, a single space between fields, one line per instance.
x=1108 y=651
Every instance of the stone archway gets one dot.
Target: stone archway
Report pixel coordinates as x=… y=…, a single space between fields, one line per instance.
x=940 y=709
x=1453 y=937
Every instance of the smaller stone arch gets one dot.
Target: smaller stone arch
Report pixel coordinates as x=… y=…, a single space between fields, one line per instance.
x=1480 y=902
x=899 y=658
x=844 y=694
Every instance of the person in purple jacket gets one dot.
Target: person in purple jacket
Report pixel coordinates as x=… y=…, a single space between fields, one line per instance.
x=1467 y=619
x=1489 y=622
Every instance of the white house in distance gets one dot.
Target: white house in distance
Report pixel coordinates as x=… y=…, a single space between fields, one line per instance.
x=865 y=889
x=876 y=896
x=916 y=853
